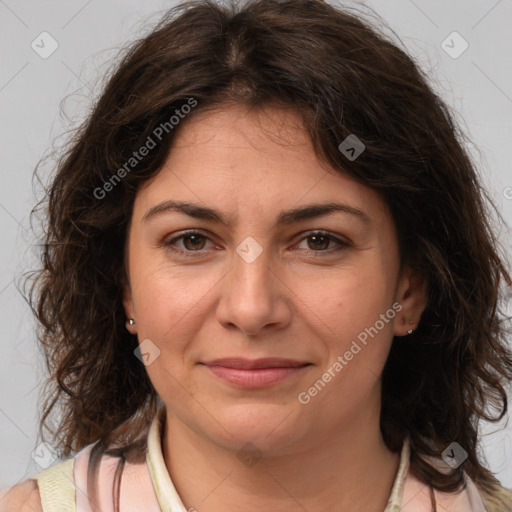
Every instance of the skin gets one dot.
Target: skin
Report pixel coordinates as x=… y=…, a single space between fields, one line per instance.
x=295 y=300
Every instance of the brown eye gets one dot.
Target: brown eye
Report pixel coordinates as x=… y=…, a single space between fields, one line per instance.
x=319 y=242
x=195 y=242
x=192 y=241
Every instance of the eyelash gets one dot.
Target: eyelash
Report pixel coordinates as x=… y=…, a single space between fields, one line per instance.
x=171 y=243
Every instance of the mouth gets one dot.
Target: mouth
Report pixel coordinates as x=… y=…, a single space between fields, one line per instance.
x=255 y=373
x=251 y=364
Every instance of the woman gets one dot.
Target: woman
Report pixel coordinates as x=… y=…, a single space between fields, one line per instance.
x=269 y=280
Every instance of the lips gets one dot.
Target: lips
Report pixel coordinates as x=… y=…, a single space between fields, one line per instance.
x=255 y=373
x=252 y=364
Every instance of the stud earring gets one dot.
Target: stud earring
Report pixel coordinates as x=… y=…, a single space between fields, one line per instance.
x=131 y=321
x=411 y=330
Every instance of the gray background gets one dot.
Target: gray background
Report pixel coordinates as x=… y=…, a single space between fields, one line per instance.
x=477 y=84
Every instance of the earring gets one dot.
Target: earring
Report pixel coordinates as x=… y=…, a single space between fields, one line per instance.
x=411 y=330
x=131 y=321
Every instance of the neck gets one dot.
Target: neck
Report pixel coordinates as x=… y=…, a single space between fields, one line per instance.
x=349 y=469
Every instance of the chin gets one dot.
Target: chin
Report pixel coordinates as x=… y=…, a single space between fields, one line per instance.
x=269 y=427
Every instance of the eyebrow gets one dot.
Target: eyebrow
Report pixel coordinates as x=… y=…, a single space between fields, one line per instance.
x=286 y=217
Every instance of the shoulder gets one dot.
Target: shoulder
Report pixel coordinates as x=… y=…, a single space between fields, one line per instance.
x=46 y=490
x=23 y=497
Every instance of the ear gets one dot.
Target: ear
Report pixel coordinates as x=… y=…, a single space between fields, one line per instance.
x=412 y=295
x=129 y=308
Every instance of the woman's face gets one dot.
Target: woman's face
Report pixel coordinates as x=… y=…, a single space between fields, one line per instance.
x=258 y=281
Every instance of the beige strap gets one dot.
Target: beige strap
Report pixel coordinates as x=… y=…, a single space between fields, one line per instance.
x=57 y=487
x=498 y=501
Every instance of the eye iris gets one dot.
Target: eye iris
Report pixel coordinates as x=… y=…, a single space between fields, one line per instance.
x=193 y=237
x=319 y=238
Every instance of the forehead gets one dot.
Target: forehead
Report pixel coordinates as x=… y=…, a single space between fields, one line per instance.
x=256 y=161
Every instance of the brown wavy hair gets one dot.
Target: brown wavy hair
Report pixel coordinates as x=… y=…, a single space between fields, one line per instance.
x=342 y=76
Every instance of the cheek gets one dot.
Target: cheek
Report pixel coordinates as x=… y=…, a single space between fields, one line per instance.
x=357 y=308
x=171 y=303
x=347 y=302
x=170 y=310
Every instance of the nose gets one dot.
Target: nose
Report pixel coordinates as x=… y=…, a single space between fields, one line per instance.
x=254 y=296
